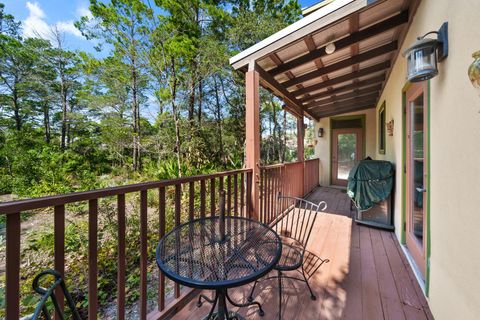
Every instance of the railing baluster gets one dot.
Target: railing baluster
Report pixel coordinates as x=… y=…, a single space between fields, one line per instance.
x=59 y=231
x=261 y=215
x=202 y=198
x=249 y=194
x=178 y=198
x=235 y=195
x=268 y=181
x=121 y=257
x=13 y=266
x=191 y=200
x=229 y=195
x=143 y=253
x=212 y=197
x=242 y=195
x=161 y=233
x=92 y=258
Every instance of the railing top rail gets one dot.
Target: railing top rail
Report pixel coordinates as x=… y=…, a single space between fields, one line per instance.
x=278 y=165
x=61 y=199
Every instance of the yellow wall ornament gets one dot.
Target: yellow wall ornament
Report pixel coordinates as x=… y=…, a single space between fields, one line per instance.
x=474 y=70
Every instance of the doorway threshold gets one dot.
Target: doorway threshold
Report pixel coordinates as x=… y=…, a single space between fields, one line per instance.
x=415 y=269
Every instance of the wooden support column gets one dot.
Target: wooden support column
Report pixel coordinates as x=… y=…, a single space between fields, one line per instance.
x=300 y=149
x=252 y=136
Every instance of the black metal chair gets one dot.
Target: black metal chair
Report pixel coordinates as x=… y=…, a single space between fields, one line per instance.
x=295 y=218
x=49 y=292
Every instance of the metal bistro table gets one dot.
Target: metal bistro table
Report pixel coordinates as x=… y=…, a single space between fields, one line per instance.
x=218 y=253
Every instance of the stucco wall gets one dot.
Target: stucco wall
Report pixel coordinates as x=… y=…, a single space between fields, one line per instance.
x=322 y=148
x=454 y=158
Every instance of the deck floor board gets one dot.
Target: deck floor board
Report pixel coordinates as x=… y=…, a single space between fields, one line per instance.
x=368 y=276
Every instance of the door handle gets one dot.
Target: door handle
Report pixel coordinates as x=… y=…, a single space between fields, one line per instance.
x=421 y=190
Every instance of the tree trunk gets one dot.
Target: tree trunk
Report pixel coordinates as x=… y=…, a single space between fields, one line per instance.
x=284 y=144
x=200 y=94
x=218 y=115
x=63 y=95
x=16 y=111
x=136 y=120
x=46 y=122
x=173 y=89
x=191 y=101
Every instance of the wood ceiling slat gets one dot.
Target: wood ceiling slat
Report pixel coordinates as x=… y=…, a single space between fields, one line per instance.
x=347 y=77
x=356 y=37
x=269 y=82
x=318 y=61
x=335 y=112
x=346 y=96
x=346 y=103
x=389 y=47
x=348 y=87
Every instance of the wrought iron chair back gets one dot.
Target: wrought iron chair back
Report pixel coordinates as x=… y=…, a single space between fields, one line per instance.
x=49 y=293
x=295 y=218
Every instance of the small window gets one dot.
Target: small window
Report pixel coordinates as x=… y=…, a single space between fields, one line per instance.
x=381 y=129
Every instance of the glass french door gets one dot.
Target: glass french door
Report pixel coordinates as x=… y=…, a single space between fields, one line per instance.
x=416 y=173
x=346 y=151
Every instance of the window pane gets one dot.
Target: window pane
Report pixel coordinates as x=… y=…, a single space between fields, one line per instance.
x=347 y=148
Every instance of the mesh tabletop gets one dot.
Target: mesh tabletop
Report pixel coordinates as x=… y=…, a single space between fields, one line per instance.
x=196 y=255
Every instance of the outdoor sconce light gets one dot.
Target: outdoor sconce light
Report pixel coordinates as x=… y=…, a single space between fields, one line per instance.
x=320 y=132
x=474 y=71
x=423 y=55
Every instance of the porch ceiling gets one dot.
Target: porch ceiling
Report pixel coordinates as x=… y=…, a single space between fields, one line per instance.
x=293 y=63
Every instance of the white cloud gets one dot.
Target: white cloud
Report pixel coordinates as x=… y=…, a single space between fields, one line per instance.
x=68 y=27
x=84 y=11
x=36 y=26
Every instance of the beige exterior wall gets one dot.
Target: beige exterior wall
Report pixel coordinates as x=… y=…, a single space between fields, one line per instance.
x=454 y=290
x=322 y=148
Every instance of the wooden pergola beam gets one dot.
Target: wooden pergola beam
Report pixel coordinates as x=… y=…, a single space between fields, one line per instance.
x=348 y=87
x=346 y=96
x=346 y=103
x=269 y=82
x=389 y=47
x=335 y=112
x=353 y=38
x=361 y=73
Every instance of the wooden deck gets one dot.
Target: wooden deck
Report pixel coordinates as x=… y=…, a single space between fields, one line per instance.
x=367 y=277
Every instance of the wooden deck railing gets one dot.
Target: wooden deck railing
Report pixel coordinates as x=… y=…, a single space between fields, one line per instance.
x=237 y=183
x=294 y=179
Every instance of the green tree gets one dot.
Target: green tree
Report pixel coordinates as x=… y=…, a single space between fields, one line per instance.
x=124 y=25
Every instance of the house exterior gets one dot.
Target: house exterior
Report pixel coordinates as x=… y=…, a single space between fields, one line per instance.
x=429 y=130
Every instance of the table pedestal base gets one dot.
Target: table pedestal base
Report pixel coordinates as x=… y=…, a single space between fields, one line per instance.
x=222 y=313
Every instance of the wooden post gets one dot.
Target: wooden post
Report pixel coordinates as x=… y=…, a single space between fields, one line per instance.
x=252 y=136
x=300 y=149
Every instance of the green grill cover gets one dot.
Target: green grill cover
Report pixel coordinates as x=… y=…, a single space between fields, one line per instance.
x=369 y=182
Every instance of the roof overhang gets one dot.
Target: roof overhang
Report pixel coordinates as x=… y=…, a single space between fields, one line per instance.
x=294 y=65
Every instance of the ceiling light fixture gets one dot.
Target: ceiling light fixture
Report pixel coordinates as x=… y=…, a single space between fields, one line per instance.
x=330 y=48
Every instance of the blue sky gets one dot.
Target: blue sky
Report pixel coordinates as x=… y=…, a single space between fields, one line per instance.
x=38 y=16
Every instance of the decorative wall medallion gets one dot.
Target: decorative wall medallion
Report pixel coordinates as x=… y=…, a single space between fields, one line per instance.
x=474 y=70
x=390 y=127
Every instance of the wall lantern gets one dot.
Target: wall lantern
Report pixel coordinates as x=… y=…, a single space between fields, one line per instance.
x=423 y=55
x=320 y=132
x=474 y=71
